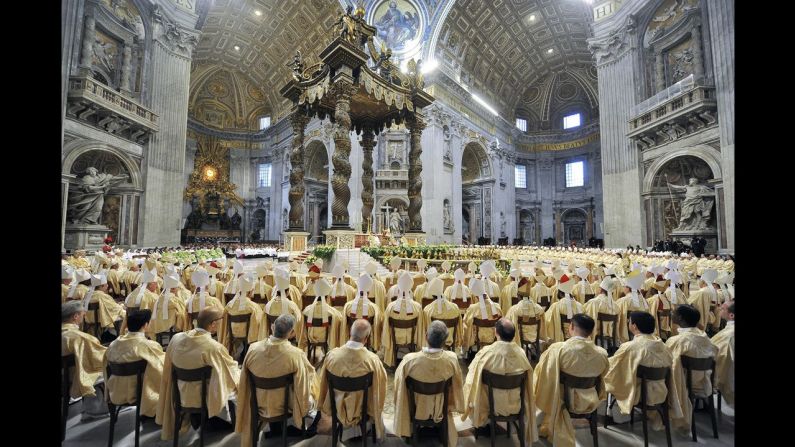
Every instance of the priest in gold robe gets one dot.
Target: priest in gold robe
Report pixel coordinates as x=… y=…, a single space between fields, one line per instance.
x=579 y=357
x=202 y=298
x=567 y=306
x=168 y=313
x=363 y=307
x=658 y=303
x=68 y=283
x=133 y=347
x=403 y=308
x=524 y=309
x=86 y=348
x=518 y=287
x=443 y=309
x=283 y=301
x=582 y=287
x=506 y=358
x=433 y=364
x=692 y=342
x=421 y=291
x=482 y=308
x=322 y=322
x=276 y=357
x=241 y=304
x=724 y=361
x=630 y=302
x=109 y=310
x=143 y=297
x=703 y=298
x=354 y=360
x=191 y=350
x=647 y=350
x=459 y=291
x=604 y=304
x=378 y=292
x=339 y=287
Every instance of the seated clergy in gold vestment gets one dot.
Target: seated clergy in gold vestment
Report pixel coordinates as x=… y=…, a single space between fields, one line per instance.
x=88 y=354
x=433 y=364
x=192 y=350
x=502 y=357
x=578 y=357
x=354 y=360
x=724 y=341
x=133 y=347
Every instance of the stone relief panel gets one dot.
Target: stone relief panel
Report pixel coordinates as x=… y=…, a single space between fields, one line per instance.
x=680 y=61
x=106 y=60
x=680 y=169
x=668 y=14
x=102 y=160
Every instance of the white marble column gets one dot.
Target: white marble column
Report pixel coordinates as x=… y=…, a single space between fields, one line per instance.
x=89 y=35
x=164 y=159
x=617 y=77
x=721 y=33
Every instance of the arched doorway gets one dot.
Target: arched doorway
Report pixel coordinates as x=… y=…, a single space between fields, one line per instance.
x=574 y=221
x=316 y=176
x=476 y=184
x=397 y=216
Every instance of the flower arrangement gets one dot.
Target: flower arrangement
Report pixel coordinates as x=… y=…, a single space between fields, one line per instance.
x=324 y=252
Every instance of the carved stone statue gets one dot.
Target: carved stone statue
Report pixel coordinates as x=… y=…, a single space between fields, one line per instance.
x=395 y=223
x=448 y=222
x=297 y=65
x=235 y=220
x=697 y=205
x=347 y=23
x=87 y=196
x=502 y=224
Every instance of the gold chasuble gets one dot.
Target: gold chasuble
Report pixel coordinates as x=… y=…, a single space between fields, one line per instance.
x=724 y=368
x=132 y=347
x=691 y=342
x=88 y=359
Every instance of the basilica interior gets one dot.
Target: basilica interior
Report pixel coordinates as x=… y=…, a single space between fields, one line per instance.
x=288 y=125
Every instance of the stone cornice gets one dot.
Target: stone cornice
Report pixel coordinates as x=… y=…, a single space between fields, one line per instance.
x=178 y=38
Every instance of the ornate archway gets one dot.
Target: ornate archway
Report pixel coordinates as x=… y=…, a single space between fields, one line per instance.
x=316 y=178
x=574 y=221
x=477 y=181
x=527 y=225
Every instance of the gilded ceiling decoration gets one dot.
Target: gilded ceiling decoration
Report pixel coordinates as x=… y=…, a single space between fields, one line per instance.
x=499 y=48
x=225 y=98
x=266 y=43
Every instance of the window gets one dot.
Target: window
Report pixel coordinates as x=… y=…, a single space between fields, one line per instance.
x=521 y=124
x=574 y=174
x=264 y=122
x=264 y=175
x=571 y=121
x=520 y=176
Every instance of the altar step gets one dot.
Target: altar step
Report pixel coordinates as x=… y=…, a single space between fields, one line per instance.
x=300 y=258
x=356 y=259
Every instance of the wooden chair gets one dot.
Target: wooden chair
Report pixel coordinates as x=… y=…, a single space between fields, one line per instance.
x=462 y=305
x=428 y=389
x=646 y=374
x=137 y=369
x=311 y=346
x=306 y=300
x=259 y=299
x=67 y=363
x=245 y=319
x=349 y=385
x=94 y=328
x=190 y=375
x=164 y=338
x=274 y=383
x=545 y=301
x=370 y=320
x=451 y=323
x=192 y=317
x=417 y=281
x=589 y=297
x=402 y=324
x=447 y=282
x=228 y=297
x=563 y=320
x=480 y=323
x=338 y=302
x=609 y=342
x=663 y=314
x=691 y=364
x=568 y=381
x=505 y=382
x=530 y=345
x=426 y=301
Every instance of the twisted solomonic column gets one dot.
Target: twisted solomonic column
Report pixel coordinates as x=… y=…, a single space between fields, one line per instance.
x=415 y=173
x=296 y=194
x=340 y=159
x=368 y=141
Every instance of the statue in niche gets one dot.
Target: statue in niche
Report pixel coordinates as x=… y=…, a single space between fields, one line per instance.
x=502 y=224
x=285 y=219
x=235 y=220
x=225 y=222
x=194 y=220
x=697 y=205
x=260 y=202
x=87 y=196
x=446 y=219
x=395 y=223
